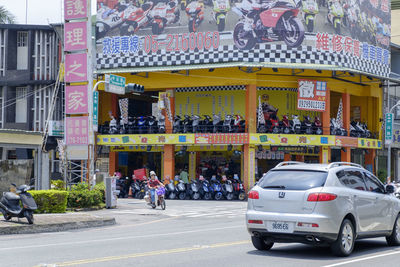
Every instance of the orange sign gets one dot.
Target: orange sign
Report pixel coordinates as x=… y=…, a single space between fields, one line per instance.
x=346 y=141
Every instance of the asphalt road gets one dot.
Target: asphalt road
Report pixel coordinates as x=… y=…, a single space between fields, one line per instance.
x=187 y=233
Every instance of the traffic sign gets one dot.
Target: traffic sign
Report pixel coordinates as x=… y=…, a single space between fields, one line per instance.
x=115 y=84
x=95 y=110
x=388 y=128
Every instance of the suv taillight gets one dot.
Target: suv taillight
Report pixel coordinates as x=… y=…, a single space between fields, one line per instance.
x=254 y=195
x=321 y=197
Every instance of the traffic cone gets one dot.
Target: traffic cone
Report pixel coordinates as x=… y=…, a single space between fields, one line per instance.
x=130 y=193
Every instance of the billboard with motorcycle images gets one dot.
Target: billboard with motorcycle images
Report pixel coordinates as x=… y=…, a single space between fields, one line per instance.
x=140 y=33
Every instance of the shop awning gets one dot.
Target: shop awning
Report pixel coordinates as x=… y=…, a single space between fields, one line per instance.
x=241 y=64
x=21 y=139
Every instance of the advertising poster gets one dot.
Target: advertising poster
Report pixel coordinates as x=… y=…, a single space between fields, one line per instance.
x=347 y=33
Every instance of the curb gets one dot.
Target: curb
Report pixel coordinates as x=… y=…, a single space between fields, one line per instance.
x=55 y=227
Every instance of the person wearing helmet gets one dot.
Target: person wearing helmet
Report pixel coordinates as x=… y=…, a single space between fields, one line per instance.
x=153 y=183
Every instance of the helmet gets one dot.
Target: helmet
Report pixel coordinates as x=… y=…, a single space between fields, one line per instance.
x=152 y=173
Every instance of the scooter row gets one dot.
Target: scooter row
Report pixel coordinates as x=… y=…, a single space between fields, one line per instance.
x=293 y=126
x=357 y=129
x=195 y=190
x=197 y=124
x=139 y=125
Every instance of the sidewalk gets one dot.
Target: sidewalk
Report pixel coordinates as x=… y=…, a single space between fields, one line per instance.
x=53 y=223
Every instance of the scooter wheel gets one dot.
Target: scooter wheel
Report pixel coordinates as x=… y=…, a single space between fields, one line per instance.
x=182 y=196
x=229 y=196
x=207 y=196
x=172 y=196
x=7 y=217
x=242 y=196
x=29 y=216
x=218 y=196
x=196 y=196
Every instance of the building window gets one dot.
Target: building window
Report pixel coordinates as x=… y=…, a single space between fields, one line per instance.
x=21 y=105
x=22 y=50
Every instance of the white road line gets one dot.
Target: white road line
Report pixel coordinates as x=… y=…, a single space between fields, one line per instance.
x=120 y=238
x=362 y=259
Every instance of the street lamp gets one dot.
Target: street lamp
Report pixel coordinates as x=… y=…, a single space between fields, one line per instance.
x=390 y=143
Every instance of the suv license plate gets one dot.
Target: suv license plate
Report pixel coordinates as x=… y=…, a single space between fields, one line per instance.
x=280 y=227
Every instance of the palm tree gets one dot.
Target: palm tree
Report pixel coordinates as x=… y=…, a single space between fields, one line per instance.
x=6 y=17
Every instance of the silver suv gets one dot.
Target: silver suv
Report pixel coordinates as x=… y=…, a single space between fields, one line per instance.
x=323 y=205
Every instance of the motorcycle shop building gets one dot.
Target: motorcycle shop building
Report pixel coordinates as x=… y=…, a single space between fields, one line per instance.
x=207 y=72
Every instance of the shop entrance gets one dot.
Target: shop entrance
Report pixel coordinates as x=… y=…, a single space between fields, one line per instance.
x=130 y=161
x=218 y=163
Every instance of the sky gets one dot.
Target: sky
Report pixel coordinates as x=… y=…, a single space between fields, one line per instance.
x=40 y=12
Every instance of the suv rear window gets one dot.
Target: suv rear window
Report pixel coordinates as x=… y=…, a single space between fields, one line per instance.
x=293 y=179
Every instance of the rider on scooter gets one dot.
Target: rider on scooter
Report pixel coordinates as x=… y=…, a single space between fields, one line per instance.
x=153 y=184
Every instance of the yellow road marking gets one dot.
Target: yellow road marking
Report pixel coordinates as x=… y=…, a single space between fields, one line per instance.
x=150 y=253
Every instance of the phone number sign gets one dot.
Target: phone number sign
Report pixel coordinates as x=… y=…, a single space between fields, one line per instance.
x=312 y=95
x=76 y=130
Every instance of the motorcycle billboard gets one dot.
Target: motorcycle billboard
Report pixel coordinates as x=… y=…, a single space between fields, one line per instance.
x=353 y=34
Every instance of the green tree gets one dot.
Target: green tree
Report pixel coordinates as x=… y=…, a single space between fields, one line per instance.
x=6 y=17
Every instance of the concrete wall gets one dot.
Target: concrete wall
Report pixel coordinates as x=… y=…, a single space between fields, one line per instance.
x=14 y=171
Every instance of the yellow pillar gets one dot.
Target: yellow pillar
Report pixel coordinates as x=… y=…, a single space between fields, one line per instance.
x=249 y=166
x=169 y=160
x=326 y=115
x=325 y=155
x=192 y=165
x=251 y=108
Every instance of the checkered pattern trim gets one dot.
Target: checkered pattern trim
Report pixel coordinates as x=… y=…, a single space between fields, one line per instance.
x=265 y=52
x=210 y=88
x=277 y=89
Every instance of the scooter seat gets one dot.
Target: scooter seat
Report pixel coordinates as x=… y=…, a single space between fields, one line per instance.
x=11 y=196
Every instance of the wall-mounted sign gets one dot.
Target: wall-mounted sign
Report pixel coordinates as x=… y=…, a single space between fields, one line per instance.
x=76 y=100
x=312 y=95
x=56 y=128
x=127 y=36
x=76 y=131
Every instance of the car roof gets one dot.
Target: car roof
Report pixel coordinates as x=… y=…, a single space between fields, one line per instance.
x=290 y=165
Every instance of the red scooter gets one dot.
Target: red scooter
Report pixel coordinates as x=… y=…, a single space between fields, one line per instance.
x=285 y=125
x=317 y=126
x=138 y=18
x=164 y=14
x=267 y=22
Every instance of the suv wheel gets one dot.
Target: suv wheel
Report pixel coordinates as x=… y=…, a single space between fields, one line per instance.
x=344 y=244
x=260 y=244
x=394 y=238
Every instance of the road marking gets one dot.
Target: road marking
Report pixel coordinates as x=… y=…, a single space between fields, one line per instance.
x=152 y=253
x=121 y=238
x=362 y=259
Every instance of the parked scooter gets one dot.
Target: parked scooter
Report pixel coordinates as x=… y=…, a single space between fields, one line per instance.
x=205 y=190
x=141 y=125
x=239 y=124
x=181 y=190
x=195 y=13
x=221 y=9
x=306 y=125
x=336 y=129
x=194 y=191
x=217 y=123
x=19 y=204
x=207 y=124
x=152 y=124
x=161 y=123
x=227 y=190
x=177 y=124
x=196 y=124
x=295 y=124
x=272 y=123
x=227 y=125
x=285 y=126
x=310 y=10
x=170 y=191
x=113 y=128
x=122 y=126
x=187 y=124
x=131 y=125
x=135 y=188
x=238 y=188
x=317 y=126
x=122 y=187
x=217 y=189
x=335 y=15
